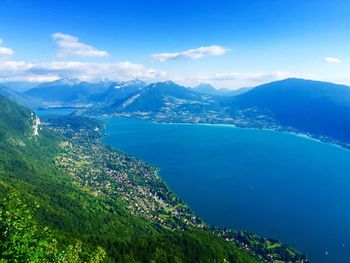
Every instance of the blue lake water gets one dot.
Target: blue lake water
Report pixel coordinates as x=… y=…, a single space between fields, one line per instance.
x=276 y=184
x=55 y=111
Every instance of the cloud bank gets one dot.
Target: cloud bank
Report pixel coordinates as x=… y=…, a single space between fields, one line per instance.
x=48 y=71
x=192 y=53
x=122 y=71
x=68 y=45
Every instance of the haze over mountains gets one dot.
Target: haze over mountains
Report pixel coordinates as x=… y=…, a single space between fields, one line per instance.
x=67 y=92
x=20 y=98
x=320 y=109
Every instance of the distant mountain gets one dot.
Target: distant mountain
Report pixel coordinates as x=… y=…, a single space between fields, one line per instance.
x=67 y=92
x=205 y=88
x=20 y=86
x=157 y=96
x=208 y=89
x=20 y=98
x=76 y=93
x=162 y=99
x=319 y=108
x=117 y=92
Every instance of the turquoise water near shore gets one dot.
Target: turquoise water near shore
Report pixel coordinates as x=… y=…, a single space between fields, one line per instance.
x=275 y=184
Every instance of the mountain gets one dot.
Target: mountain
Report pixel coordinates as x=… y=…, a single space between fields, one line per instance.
x=20 y=86
x=205 y=88
x=157 y=96
x=117 y=92
x=315 y=107
x=164 y=101
x=19 y=97
x=75 y=93
x=67 y=197
x=67 y=92
x=208 y=89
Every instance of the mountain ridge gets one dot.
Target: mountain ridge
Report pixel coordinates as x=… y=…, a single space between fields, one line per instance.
x=318 y=108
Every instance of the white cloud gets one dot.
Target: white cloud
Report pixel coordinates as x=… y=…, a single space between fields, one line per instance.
x=4 y=51
x=21 y=70
x=332 y=60
x=192 y=53
x=92 y=71
x=68 y=45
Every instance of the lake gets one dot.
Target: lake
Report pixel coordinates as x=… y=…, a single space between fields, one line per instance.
x=278 y=185
x=55 y=111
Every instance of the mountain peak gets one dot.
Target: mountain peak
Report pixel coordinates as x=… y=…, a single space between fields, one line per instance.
x=65 y=81
x=130 y=83
x=204 y=87
x=136 y=81
x=164 y=84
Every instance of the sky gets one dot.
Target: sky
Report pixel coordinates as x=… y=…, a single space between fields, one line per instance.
x=229 y=44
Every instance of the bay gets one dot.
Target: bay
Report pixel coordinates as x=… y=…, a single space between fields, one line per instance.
x=278 y=185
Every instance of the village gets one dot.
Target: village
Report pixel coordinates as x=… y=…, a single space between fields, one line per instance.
x=103 y=171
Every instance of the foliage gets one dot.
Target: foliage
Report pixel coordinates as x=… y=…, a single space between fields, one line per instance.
x=23 y=240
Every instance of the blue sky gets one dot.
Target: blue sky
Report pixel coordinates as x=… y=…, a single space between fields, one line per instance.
x=225 y=43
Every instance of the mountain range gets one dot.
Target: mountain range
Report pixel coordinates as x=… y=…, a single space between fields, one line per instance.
x=67 y=92
x=164 y=98
x=319 y=109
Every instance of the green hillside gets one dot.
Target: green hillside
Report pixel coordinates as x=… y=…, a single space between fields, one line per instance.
x=75 y=219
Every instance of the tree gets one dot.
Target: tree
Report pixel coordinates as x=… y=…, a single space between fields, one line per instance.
x=23 y=240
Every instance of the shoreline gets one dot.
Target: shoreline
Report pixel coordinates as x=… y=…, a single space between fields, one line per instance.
x=293 y=133
x=297 y=134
